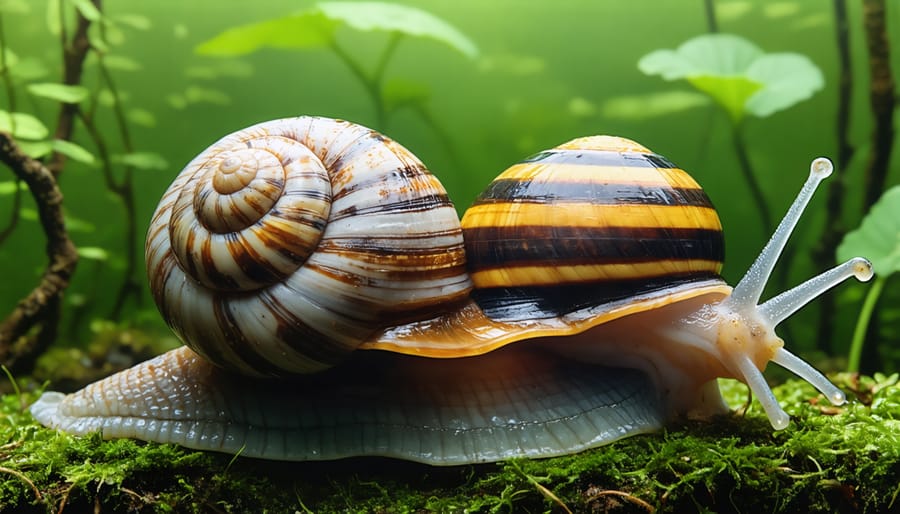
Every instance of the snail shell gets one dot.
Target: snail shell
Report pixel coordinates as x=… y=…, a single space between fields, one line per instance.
x=282 y=247
x=598 y=258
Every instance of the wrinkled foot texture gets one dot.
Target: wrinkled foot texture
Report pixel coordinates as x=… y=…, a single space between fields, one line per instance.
x=830 y=459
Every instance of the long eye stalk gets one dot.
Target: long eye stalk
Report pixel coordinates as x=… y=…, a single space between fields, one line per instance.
x=747 y=292
x=742 y=304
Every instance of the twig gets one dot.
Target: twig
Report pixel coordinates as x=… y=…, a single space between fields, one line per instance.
x=710 y=7
x=25 y=479
x=74 y=54
x=14 y=216
x=823 y=254
x=881 y=97
x=626 y=496
x=43 y=299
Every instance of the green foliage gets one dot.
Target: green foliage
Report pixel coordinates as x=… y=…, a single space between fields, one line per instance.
x=22 y=125
x=829 y=459
x=316 y=28
x=737 y=74
x=878 y=238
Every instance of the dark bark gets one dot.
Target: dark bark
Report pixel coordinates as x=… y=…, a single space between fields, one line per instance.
x=881 y=97
x=41 y=306
x=74 y=54
x=834 y=229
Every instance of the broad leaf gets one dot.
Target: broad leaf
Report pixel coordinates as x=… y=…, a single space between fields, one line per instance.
x=737 y=75
x=143 y=160
x=73 y=151
x=22 y=125
x=304 y=30
x=878 y=236
x=403 y=19
x=59 y=92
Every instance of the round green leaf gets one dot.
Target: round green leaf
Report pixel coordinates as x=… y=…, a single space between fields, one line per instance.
x=195 y=94
x=878 y=236
x=411 y=21
x=787 y=79
x=59 y=92
x=22 y=125
x=142 y=117
x=736 y=74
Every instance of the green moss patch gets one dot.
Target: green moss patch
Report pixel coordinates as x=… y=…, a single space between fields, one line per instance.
x=830 y=459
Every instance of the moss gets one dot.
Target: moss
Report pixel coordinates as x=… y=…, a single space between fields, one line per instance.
x=830 y=459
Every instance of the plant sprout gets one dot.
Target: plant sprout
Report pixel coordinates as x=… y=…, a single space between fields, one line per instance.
x=878 y=238
x=741 y=79
x=317 y=28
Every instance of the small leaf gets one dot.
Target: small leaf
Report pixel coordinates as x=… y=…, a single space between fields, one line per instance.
x=135 y=21
x=14 y=7
x=36 y=149
x=176 y=101
x=94 y=253
x=731 y=93
x=304 y=30
x=878 y=236
x=581 y=107
x=195 y=94
x=9 y=187
x=54 y=23
x=142 y=117
x=86 y=9
x=519 y=65
x=59 y=92
x=29 y=69
x=121 y=63
x=10 y=59
x=97 y=39
x=22 y=125
x=78 y=225
x=142 y=160
x=73 y=151
x=644 y=107
x=403 y=19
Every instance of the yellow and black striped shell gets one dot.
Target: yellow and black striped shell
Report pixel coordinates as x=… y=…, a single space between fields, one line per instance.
x=285 y=245
x=571 y=238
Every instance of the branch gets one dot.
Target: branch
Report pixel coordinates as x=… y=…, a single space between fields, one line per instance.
x=881 y=97
x=74 y=54
x=44 y=299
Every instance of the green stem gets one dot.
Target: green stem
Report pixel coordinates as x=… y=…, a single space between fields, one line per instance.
x=373 y=84
x=740 y=149
x=862 y=323
x=367 y=82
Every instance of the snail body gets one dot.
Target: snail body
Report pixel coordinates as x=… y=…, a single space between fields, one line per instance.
x=579 y=301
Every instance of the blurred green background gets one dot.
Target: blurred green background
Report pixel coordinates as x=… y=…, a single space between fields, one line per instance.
x=545 y=72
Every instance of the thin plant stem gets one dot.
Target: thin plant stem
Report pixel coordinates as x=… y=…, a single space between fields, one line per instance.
x=746 y=168
x=712 y=25
x=368 y=84
x=862 y=323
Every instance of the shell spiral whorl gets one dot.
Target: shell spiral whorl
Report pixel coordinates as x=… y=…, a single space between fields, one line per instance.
x=285 y=245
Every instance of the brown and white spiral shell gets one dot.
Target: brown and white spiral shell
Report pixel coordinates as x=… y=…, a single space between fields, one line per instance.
x=285 y=245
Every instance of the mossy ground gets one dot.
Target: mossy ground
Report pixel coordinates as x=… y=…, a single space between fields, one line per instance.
x=830 y=459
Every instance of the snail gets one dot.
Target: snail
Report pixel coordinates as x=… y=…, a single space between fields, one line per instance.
x=334 y=305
